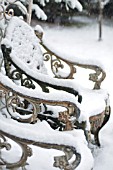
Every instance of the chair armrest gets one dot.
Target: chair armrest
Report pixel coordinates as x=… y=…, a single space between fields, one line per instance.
x=14 y=92
x=43 y=80
x=58 y=60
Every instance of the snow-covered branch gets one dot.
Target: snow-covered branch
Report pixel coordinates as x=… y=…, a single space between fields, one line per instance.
x=104 y=3
x=73 y=4
x=39 y=12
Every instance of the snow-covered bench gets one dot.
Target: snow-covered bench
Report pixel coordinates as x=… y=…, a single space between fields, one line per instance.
x=65 y=65
x=25 y=104
x=39 y=134
x=29 y=95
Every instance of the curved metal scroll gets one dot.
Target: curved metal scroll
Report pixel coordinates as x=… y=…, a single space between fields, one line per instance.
x=6 y=10
x=15 y=102
x=3 y=143
x=43 y=84
x=26 y=152
x=61 y=162
x=16 y=74
x=13 y=99
x=58 y=62
x=18 y=111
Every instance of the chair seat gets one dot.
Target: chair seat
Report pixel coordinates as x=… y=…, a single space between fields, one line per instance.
x=93 y=102
x=41 y=133
x=90 y=106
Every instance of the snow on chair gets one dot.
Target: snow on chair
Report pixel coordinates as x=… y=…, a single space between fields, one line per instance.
x=29 y=95
x=26 y=90
x=39 y=134
x=95 y=103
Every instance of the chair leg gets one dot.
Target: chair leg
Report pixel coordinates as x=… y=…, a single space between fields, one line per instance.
x=106 y=118
x=96 y=138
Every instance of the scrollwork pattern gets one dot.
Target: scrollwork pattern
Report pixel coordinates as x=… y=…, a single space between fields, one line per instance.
x=15 y=74
x=6 y=12
x=18 y=111
x=26 y=152
x=25 y=81
x=4 y=143
x=47 y=56
x=55 y=63
x=97 y=77
x=28 y=83
x=58 y=62
x=62 y=162
x=15 y=102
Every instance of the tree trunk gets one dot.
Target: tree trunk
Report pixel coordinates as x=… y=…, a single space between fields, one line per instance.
x=29 y=12
x=100 y=19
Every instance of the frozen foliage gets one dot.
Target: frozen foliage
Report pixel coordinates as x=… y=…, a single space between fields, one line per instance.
x=21 y=7
x=73 y=4
x=105 y=2
x=102 y=2
x=39 y=12
x=35 y=7
x=43 y=2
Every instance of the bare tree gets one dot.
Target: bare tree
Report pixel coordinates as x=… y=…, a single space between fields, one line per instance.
x=102 y=4
x=100 y=19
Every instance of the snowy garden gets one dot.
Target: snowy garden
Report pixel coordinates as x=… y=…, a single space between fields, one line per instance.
x=55 y=91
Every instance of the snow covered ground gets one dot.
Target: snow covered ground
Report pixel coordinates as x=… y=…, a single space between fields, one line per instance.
x=83 y=43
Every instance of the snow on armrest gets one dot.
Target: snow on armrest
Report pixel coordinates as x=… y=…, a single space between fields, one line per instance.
x=59 y=59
